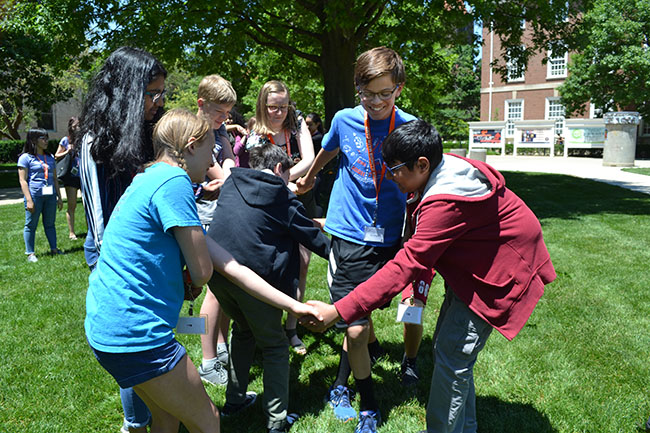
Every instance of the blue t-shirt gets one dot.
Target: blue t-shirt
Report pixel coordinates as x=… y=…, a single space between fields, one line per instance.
x=136 y=292
x=353 y=200
x=36 y=171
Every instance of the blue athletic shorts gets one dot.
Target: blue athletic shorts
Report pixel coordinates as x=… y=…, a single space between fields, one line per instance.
x=134 y=368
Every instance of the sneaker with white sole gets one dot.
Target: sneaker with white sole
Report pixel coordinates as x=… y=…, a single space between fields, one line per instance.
x=217 y=375
x=339 y=400
x=368 y=421
x=32 y=258
x=230 y=409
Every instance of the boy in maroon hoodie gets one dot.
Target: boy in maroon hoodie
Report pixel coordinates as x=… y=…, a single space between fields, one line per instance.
x=482 y=239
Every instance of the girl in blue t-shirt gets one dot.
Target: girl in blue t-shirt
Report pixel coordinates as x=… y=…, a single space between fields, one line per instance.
x=38 y=182
x=136 y=292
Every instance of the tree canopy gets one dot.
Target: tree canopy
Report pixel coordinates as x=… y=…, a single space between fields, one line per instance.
x=612 y=64
x=310 y=44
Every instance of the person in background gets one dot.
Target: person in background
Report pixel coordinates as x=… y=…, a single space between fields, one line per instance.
x=215 y=99
x=278 y=123
x=237 y=132
x=72 y=183
x=40 y=187
x=125 y=100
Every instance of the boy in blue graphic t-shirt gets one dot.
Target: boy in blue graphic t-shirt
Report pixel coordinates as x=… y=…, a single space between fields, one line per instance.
x=365 y=214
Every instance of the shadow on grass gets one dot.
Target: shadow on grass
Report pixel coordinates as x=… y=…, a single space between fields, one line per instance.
x=568 y=197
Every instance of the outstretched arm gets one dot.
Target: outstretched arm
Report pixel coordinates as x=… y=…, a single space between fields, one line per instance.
x=254 y=285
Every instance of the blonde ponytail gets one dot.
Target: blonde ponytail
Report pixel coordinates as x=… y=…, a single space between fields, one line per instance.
x=173 y=132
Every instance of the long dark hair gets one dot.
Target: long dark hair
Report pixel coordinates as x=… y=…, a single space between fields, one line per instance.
x=32 y=136
x=113 y=113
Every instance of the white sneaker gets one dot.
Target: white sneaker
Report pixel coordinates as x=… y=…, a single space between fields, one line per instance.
x=216 y=375
x=32 y=258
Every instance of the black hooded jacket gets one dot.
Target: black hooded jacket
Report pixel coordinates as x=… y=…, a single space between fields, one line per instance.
x=261 y=223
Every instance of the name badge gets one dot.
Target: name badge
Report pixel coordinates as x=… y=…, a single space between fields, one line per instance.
x=191 y=325
x=373 y=234
x=47 y=190
x=409 y=314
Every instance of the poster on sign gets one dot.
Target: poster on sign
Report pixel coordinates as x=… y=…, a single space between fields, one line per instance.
x=587 y=136
x=537 y=136
x=483 y=136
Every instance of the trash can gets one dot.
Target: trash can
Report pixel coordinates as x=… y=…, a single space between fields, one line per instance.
x=459 y=152
x=620 y=142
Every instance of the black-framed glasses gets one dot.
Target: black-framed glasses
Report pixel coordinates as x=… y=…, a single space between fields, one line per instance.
x=156 y=95
x=384 y=95
x=276 y=108
x=393 y=169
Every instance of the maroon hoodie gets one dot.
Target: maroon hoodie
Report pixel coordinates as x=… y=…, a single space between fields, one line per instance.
x=484 y=241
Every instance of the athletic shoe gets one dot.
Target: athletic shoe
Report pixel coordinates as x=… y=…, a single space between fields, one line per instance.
x=217 y=375
x=291 y=418
x=410 y=376
x=339 y=399
x=368 y=421
x=231 y=409
x=32 y=258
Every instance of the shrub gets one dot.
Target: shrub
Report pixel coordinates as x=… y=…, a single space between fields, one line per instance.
x=10 y=149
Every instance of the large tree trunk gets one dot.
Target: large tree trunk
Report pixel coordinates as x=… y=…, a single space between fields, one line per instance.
x=337 y=64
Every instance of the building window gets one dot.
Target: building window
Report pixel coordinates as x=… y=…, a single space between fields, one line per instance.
x=645 y=127
x=514 y=111
x=515 y=72
x=46 y=120
x=555 y=111
x=557 y=65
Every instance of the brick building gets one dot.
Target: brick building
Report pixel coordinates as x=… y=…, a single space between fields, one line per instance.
x=531 y=94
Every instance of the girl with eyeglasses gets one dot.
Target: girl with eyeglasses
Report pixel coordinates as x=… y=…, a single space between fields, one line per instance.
x=124 y=102
x=40 y=186
x=278 y=123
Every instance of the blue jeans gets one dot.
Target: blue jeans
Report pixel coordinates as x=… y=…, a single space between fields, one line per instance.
x=46 y=205
x=459 y=337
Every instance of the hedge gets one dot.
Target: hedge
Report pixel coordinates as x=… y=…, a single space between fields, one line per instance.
x=10 y=149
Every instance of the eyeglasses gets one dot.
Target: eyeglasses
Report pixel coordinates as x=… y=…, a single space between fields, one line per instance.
x=156 y=95
x=393 y=169
x=276 y=108
x=384 y=95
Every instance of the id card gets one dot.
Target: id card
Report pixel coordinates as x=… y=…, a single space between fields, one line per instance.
x=409 y=314
x=373 y=234
x=192 y=325
x=47 y=190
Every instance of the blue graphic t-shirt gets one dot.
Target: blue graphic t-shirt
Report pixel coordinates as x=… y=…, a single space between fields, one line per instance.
x=353 y=200
x=136 y=292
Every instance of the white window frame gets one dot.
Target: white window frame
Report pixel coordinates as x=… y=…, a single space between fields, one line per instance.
x=558 y=128
x=511 y=78
x=510 y=129
x=552 y=60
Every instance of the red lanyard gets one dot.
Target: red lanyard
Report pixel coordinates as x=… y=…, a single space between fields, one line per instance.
x=46 y=168
x=286 y=140
x=371 y=154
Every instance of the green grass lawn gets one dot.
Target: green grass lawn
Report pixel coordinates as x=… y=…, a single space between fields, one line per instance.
x=581 y=364
x=638 y=170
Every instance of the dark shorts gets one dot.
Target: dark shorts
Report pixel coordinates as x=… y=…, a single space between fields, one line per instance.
x=134 y=368
x=72 y=181
x=351 y=264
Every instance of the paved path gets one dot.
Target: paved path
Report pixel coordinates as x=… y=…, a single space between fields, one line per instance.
x=588 y=168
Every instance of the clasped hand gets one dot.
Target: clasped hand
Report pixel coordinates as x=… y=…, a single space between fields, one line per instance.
x=323 y=316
